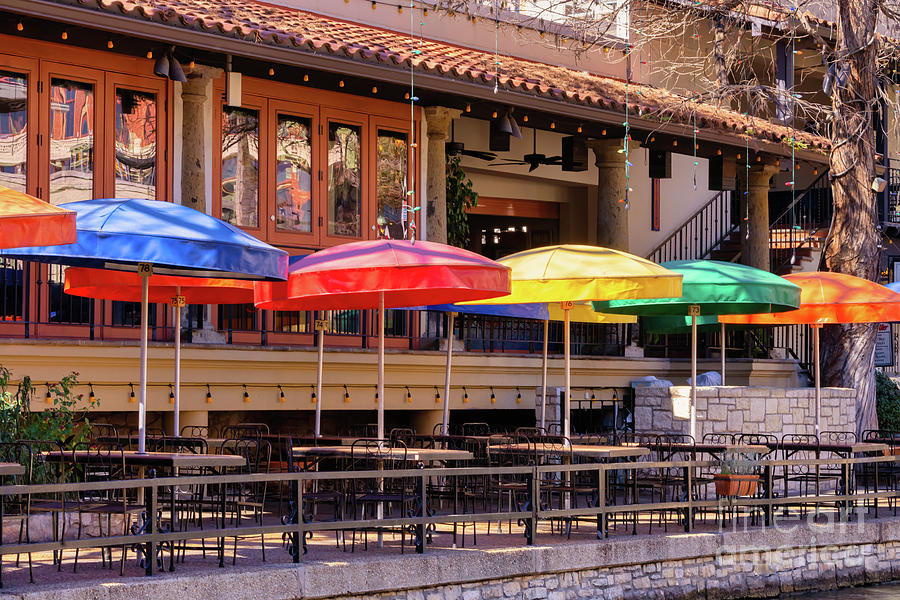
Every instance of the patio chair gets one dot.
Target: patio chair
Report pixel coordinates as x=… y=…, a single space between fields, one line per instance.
x=476 y=429
x=505 y=451
x=393 y=494
x=16 y=506
x=46 y=466
x=243 y=497
x=803 y=475
x=196 y=431
x=104 y=462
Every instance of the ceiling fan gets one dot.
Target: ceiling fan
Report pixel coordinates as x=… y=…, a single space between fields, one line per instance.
x=454 y=148
x=533 y=160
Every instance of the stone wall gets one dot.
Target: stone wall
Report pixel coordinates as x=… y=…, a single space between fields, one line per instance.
x=730 y=409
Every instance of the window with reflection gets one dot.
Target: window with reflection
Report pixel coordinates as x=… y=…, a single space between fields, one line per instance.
x=237 y=317
x=135 y=162
x=71 y=141
x=13 y=130
x=65 y=308
x=344 y=180
x=390 y=178
x=293 y=175
x=240 y=166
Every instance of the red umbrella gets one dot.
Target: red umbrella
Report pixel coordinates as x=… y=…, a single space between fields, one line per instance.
x=104 y=284
x=29 y=221
x=382 y=274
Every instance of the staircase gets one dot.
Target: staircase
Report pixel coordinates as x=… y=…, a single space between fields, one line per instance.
x=797 y=235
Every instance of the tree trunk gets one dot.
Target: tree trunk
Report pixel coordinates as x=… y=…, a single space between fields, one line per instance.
x=719 y=58
x=852 y=244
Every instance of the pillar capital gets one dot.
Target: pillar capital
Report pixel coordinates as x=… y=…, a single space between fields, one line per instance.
x=760 y=174
x=606 y=152
x=439 y=119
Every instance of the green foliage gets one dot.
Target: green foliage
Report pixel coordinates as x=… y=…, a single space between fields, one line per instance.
x=734 y=462
x=62 y=422
x=887 y=402
x=460 y=196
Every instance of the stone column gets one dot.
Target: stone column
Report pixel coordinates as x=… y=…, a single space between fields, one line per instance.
x=438 y=129
x=612 y=218
x=755 y=246
x=196 y=141
x=196 y=135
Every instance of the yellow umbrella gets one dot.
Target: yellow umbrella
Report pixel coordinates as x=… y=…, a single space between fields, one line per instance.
x=568 y=274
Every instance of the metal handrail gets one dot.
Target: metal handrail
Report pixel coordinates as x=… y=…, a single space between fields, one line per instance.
x=725 y=228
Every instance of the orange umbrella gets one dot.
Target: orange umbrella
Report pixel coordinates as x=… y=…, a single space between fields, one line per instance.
x=29 y=221
x=104 y=284
x=829 y=298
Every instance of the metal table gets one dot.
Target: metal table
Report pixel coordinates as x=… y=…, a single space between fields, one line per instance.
x=579 y=450
x=412 y=454
x=11 y=469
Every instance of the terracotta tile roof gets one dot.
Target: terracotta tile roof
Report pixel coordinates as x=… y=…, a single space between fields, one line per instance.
x=262 y=23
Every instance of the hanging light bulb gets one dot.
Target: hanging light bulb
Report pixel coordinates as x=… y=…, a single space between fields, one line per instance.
x=306 y=78
x=91 y=397
x=48 y=398
x=246 y=393
x=65 y=34
x=346 y=394
x=281 y=397
x=20 y=26
x=312 y=397
x=110 y=44
x=149 y=53
x=208 y=395
x=493 y=397
x=376 y=394
x=374 y=89
x=171 y=394
x=465 y=395
x=131 y=397
x=408 y=394
x=468 y=108
x=518 y=396
x=271 y=71
x=437 y=396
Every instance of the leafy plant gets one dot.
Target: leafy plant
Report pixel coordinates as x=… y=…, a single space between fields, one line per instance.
x=63 y=422
x=737 y=463
x=460 y=196
x=887 y=402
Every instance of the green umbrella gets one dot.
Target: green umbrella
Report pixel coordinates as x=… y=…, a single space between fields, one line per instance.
x=711 y=288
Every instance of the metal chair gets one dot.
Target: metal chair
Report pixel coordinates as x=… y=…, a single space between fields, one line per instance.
x=104 y=462
x=196 y=431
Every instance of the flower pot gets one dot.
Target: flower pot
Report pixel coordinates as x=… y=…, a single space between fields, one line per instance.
x=736 y=485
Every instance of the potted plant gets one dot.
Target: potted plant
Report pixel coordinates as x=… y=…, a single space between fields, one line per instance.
x=738 y=475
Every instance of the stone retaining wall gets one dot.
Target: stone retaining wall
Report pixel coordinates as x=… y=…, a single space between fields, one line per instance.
x=730 y=409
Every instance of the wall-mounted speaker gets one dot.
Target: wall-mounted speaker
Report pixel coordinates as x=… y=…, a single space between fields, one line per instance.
x=660 y=164
x=574 y=153
x=722 y=173
x=499 y=141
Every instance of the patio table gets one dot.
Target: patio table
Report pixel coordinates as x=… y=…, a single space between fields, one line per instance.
x=11 y=469
x=579 y=450
x=412 y=454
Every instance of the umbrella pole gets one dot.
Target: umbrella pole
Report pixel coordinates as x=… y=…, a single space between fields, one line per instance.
x=144 y=270
x=693 y=408
x=445 y=427
x=320 y=332
x=544 y=375
x=380 y=390
x=816 y=327
x=178 y=302
x=722 y=352
x=568 y=371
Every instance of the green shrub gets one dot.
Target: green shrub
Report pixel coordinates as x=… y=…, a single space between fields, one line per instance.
x=62 y=422
x=887 y=402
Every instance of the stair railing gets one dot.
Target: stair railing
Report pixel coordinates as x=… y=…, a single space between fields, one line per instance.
x=701 y=233
x=795 y=227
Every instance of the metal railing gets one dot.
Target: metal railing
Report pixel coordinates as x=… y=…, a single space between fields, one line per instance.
x=794 y=227
x=703 y=232
x=614 y=489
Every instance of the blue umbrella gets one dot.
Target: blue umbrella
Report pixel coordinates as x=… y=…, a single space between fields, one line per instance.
x=149 y=236
x=518 y=311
